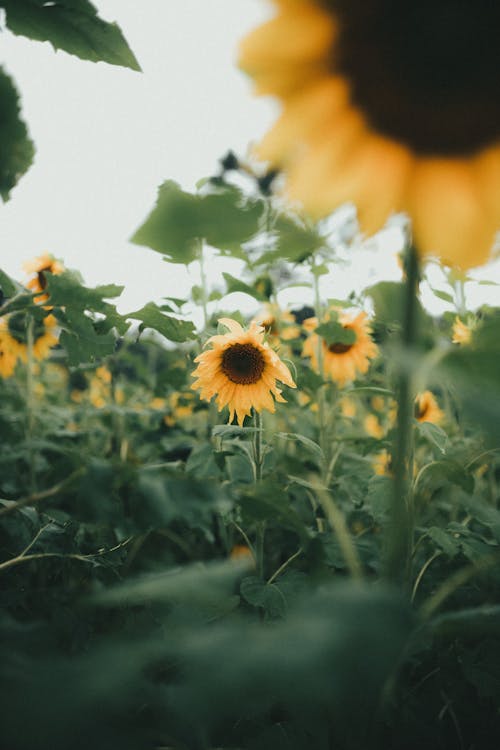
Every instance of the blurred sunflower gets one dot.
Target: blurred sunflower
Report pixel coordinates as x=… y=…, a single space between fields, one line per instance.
x=427 y=408
x=39 y=266
x=45 y=337
x=392 y=105
x=342 y=362
x=8 y=358
x=241 y=370
x=462 y=333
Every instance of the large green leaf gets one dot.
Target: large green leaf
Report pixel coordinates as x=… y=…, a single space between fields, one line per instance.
x=16 y=148
x=172 y=328
x=70 y=25
x=292 y=240
x=180 y=221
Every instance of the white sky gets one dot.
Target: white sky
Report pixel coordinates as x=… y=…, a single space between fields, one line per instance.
x=106 y=137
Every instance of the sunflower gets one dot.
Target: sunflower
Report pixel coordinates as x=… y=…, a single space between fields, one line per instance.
x=342 y=362
x=462 y=333
x=241 y=370
x=427 y=408
x=8 y=358
x=392 y=105
x=279 y=324
x=15 y=327
x=39 y=266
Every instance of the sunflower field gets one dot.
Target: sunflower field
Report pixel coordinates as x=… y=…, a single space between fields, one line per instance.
x=275 y=530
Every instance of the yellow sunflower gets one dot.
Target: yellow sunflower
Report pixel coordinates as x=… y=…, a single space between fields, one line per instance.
x=278 y=323
x=241 y=370
x=8 y=358
x=45 y=335
x=462 y=333
x=39 y=266
x=342 y=362
x=392 y=105
x=427 y=408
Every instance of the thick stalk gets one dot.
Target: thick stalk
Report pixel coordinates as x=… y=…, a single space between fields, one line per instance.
x=400 y=529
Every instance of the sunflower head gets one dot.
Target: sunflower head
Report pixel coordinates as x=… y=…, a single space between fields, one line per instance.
x=342 y=343
x=427 y=408
x=461 y=332
x=38 y=268
x=391 y=105
x=8 y=357
x=241 y=371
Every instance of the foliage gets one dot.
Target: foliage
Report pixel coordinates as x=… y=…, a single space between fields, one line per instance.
x=71 y=25
x=172 y=581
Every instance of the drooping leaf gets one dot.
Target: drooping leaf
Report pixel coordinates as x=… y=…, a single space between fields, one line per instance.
x=70 y=25
x=16 y=148
x=172 y=328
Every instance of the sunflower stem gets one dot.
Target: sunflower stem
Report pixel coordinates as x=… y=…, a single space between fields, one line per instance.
x=203 y=287
x=400 y=530
x=257 y=447
x=30 y=402
x=258 y=456
x=323 y=441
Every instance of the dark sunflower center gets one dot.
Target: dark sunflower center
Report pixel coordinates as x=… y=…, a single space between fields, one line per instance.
x=243 y=364
x=424 y=73
x=420 y=410
x=339 y=348
x=42 y=279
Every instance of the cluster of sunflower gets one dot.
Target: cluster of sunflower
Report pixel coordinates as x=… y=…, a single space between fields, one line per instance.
x=36 y=330
x=241 y=369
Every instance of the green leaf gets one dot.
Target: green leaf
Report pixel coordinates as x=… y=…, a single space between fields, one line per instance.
x=8 y=287
x=66 y=290
x=445 y=296
x=444 y=540
x=70 y=25
x=379 y=497
x=180 y=221
x=81 y=340
x=293 y=241
x=334 y=332
x=172 y=328
x=235 y=285
x=389 y=298
x=16 y=148
x=267 y=596
x=473 y=370
x=305 y=441
x=440 y=473
x=433 y=433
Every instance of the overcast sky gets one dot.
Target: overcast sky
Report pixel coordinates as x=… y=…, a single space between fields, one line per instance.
x=106 y=137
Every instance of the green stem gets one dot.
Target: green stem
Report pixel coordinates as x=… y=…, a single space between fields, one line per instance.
x=30 y=403
x=323 y=441
x=400 y=530
x=258 y=459
x=204 y=288
x=257 y=447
